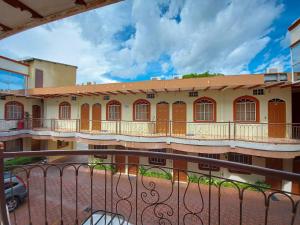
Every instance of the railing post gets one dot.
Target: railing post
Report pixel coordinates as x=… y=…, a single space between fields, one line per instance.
x=229 y=129
x=167 y=127
x=116 y=126
x=3 y=211
x=170 y=128
x=52 y=124
x=234 y=130
x=77 y=125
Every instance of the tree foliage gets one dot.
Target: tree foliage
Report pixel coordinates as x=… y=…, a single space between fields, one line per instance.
x=199 y=75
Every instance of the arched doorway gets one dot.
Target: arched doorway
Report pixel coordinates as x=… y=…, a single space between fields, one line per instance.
x=162 y=117
x=85 y=117
x=96 y=116
x=36 y=116
x=276 y=118
x=179 y=117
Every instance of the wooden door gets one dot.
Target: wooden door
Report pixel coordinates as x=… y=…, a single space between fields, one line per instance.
x=179 y=118
x=296 y=169
x=36 y=116
x=162 y=118
x=134 y=160
x=179 y=169
x=120 y=163
x=35 y=145
x=276 y=164
x=96 y=116
x=277 y=118
x=85 y=117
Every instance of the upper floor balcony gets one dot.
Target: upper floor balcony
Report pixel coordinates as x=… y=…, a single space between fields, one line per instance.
x=275 y=133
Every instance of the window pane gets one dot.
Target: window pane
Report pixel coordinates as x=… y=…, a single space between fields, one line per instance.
x=245 y=110
x=204 y=110
x=14 y=111
x=142 y=111
x=114 y=112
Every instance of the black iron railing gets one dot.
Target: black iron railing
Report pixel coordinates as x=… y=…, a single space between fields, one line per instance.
x=68 y=193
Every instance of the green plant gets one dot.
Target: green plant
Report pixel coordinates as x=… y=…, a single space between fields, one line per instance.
x=22 y=161
x=148 y=173
x=217 y=182
x=199 y=75
x=99 y=165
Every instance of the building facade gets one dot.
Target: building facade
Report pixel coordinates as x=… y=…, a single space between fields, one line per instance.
x=246 y=119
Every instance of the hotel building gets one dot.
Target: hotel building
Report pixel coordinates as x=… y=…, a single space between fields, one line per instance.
x=248 y=119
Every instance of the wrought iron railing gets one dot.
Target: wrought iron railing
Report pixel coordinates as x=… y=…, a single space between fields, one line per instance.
x=68 y=193
x=258 y=132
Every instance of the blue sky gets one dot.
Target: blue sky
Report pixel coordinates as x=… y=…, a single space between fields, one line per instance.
x=138 y=39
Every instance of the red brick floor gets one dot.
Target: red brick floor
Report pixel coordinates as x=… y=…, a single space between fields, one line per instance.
x=136 y=201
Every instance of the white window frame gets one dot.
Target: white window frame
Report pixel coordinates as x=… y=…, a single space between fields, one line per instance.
x=14 y=111
x=202 y=110
x=249 y=110
x=142 y=111
x=114 y=112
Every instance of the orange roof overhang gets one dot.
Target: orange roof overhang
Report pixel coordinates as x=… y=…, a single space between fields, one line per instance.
x=156 y=86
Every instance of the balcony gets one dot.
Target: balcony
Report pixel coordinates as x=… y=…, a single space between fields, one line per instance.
x=69 y=192
x=288 y=133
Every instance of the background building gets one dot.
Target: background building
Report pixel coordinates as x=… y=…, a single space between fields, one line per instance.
x=294 y=30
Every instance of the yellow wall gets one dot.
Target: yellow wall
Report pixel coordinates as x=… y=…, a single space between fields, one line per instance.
x=55 y=74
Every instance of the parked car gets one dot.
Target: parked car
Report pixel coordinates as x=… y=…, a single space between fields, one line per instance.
x=101 y=217
x=15 y=190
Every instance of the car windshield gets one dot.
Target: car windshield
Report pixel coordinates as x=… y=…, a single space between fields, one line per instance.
x=105 y=218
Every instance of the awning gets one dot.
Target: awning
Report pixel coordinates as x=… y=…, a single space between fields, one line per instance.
x=20 y=15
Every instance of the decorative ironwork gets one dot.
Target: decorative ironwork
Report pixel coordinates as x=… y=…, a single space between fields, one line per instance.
x=154 y=195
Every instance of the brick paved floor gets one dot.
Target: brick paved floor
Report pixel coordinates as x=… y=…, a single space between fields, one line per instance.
x=193 y=201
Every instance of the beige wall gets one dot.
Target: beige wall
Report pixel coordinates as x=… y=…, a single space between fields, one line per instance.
x=27 y=103
x=295 y=34
x=52 y=145
x=224 y=100
x=55 y=74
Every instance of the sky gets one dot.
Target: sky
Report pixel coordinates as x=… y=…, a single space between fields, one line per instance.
x=138 y=39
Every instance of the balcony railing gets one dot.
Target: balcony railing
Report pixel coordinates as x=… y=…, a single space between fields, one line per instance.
x=258 y=132
x=68 y=193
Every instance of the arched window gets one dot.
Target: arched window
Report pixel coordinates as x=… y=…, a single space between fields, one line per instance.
x=204 y=110
x=141 y=110
x=246 y=109
x=113 y=110
x=65 y=111
x=14 y=111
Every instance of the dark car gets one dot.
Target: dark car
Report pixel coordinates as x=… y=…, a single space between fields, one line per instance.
x=15 y=190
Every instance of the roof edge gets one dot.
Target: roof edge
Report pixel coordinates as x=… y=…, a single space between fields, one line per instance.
x=44 y=60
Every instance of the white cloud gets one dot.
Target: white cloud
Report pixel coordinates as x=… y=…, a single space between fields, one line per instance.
x=220 y=36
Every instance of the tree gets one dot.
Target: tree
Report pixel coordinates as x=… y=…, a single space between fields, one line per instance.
x=199 y=75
